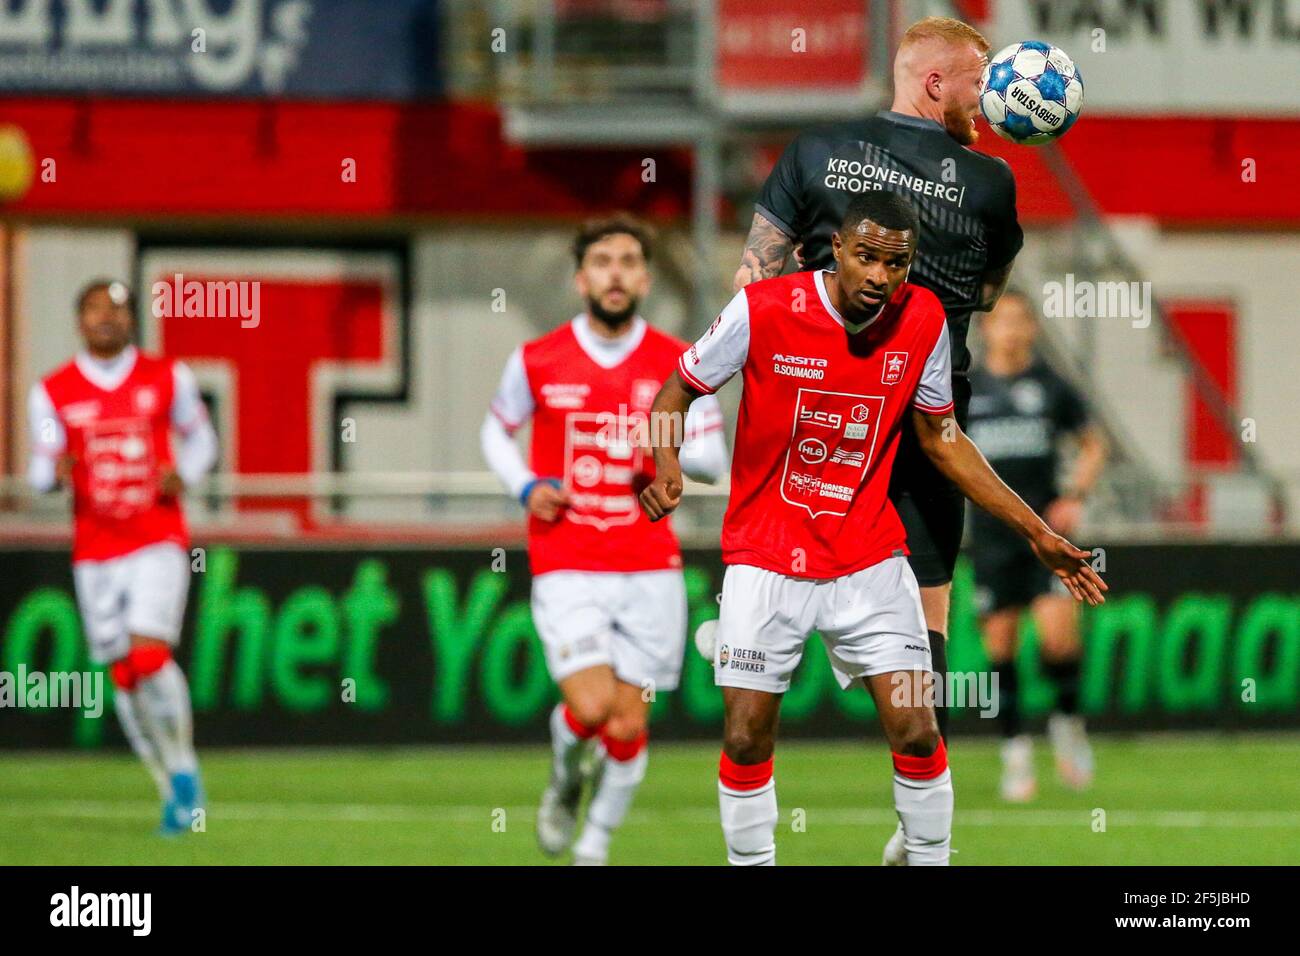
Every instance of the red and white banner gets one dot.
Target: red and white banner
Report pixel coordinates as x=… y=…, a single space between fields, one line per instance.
x=780 y=55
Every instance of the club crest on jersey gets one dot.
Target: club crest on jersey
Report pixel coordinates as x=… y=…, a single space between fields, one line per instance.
x=146 y=400
x=892 y=372
x=644 y=391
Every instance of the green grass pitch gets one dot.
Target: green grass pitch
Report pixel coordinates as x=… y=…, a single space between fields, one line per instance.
x=1167 y=800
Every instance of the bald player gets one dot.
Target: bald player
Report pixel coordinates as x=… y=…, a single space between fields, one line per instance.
x=970 y=236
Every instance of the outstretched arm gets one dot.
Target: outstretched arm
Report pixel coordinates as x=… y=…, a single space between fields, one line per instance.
x=667 y=427
x=765 y=253
x=956 y=456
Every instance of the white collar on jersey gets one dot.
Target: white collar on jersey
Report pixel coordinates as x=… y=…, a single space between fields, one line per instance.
x=607 y=353
x=853 y=327
x=107 y=374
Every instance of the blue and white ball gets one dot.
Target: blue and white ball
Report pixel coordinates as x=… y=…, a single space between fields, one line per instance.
x=1032 y=93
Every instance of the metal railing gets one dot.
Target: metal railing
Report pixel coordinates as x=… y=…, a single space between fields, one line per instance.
x=471 y=505
x=1098 y=254
x=364 y=505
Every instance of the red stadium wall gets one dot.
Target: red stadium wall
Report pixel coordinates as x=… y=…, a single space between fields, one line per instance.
x=128 y=158
x=162 y=158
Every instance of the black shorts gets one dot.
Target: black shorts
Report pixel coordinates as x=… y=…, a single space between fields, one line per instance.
x=932 y=509
x=1007 y=575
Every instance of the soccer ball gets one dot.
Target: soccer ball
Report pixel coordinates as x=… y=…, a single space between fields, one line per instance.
x=1032 y=93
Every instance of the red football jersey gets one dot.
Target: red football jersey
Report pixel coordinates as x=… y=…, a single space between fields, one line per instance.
x=120 y=441
x=819 y=421
x=585 y=432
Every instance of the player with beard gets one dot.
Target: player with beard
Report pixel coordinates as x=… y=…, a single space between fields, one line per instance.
x=969 y=237
x=608 y=597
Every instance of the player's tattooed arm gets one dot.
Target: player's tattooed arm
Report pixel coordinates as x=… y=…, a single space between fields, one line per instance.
x=992 y=284
x=956 y=456
x=667 y=430
x=765 y=253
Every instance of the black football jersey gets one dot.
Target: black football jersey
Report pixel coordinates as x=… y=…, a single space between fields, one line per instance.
x=966 y=202
x=1017 y=421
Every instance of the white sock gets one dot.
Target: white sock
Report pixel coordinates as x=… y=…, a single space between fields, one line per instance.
x=925 y=810
x=167 y=718
x=567 y=750
x=125 y=703
x=609 y=804
x=749 y=824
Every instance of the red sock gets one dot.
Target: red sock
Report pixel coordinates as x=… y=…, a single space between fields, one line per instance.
x=580 y=730
x=145 y=659
x=122 y=674
x=740 y=776
x=624 y=750
x=923 y=768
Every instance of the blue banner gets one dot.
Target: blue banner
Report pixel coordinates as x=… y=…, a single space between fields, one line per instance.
x=317 y=49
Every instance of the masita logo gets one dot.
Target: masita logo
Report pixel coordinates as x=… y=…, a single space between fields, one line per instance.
x=134 y=910
x=799 y=366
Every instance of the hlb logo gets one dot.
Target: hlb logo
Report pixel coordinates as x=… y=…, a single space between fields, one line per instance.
x=812 y=451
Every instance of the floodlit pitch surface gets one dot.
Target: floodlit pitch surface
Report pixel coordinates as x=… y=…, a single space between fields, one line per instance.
x=1166 y=800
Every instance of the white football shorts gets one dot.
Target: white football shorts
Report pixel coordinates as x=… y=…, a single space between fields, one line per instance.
x=141 y=593
x=870 y=621
x=634 y=622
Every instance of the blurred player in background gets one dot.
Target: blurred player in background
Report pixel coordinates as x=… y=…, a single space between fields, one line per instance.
x=833 y=364
x=970 y=236
x=1020 y=411
x=102 y=424
x=609 y=601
